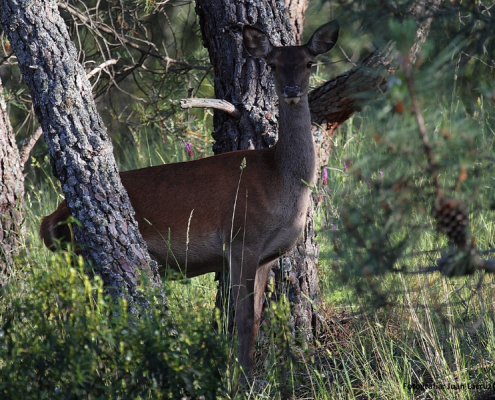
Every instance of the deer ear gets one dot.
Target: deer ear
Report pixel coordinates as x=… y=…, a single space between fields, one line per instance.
x=256 y=42
x=324 y=38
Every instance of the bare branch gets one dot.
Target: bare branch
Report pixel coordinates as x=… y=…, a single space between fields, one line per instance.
x=101 y=66
x=6 y=58
x=421 y=123
x=28 y=145
x=124 y=41
x=424 y=10
x=212 y=103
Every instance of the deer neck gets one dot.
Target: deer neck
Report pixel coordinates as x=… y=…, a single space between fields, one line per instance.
x=295 y=153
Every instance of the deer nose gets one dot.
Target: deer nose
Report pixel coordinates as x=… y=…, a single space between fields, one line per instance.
x=292 y=91
x=292 y=94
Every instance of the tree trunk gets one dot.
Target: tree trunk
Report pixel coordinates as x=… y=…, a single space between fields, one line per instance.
x=80 y=150
x=297 y=10
x=242 y=81
x=11 y=193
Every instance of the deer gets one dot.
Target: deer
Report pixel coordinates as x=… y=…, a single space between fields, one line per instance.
x=239 y=210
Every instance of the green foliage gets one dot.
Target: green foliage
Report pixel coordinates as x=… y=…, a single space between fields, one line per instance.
x=385 y=178
x=420 y=333
x=62 y=337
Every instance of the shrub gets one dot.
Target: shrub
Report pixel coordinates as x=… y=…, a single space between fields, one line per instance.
x=62 y=337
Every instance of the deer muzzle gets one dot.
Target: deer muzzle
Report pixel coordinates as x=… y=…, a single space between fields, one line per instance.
x=292 y=94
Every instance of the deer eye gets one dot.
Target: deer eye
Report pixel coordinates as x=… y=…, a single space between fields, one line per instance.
x=310 y=64
x=272 y=67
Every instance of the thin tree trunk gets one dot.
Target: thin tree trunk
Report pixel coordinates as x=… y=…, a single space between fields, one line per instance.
x=80 y=150
x=11 y=193
x=297 y=11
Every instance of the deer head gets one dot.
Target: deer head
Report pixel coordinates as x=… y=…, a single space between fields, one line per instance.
x=291 y=65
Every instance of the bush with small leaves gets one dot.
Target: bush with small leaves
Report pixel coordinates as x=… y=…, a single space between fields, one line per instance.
x=62 y=337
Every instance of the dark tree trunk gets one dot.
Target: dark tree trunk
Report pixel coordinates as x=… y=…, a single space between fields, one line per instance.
x=246 y=83
x=80 y=150
x=11 y=193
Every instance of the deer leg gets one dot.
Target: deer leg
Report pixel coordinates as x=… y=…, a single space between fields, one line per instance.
x=248 y=286
x=262 y=274
x=242 y=280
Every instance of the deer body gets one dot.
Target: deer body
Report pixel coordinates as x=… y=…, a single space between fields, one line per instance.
x=206 y=216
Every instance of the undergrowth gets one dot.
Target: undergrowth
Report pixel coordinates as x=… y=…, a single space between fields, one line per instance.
x=61 y=336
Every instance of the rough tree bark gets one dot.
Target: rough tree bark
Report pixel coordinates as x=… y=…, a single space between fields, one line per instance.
x=80 y=150
x=297 y=11
x=11 y=193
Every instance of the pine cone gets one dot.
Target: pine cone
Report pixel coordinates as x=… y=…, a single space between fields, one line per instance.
x=452 y=219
